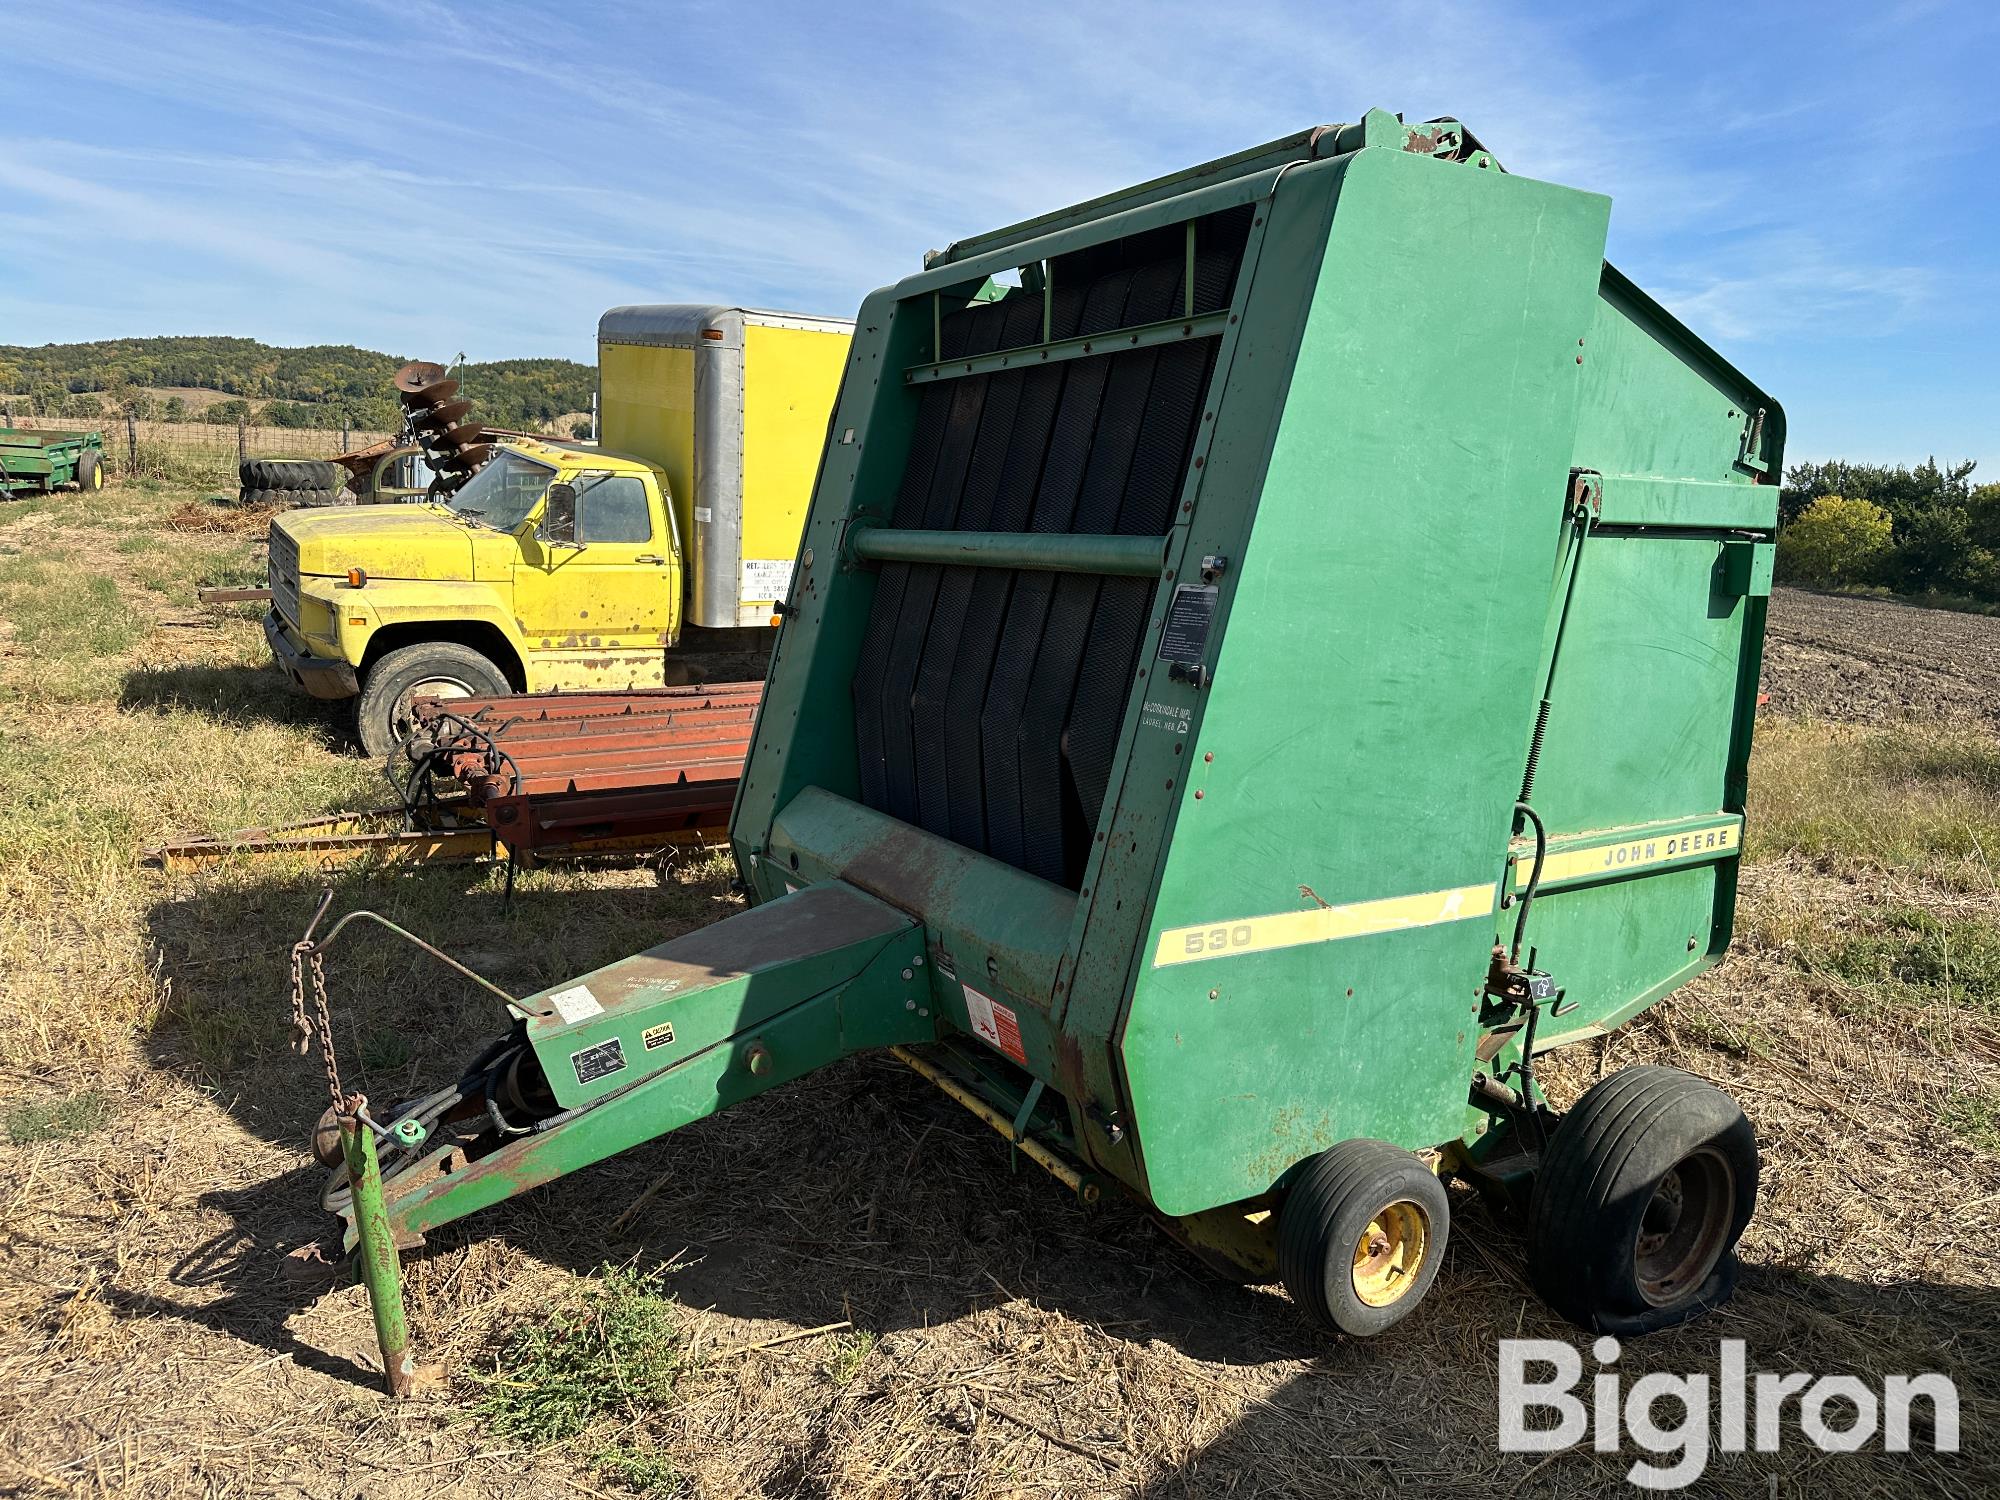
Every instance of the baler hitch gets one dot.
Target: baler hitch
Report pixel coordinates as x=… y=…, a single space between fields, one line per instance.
x=348 y=1133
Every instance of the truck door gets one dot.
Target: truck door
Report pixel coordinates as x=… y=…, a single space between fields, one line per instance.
x=615 y=590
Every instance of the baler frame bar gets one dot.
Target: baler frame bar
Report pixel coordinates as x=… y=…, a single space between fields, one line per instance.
x=1031 y=551
x=1175 y=330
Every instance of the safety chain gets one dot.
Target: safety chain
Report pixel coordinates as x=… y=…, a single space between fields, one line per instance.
x=318 y=1026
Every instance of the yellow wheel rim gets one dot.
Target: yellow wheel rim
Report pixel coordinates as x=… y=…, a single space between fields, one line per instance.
x=97 y=479
x=1390 y=1253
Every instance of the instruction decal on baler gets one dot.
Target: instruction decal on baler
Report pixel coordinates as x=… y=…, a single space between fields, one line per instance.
x=994 y=1023
x=600 y=1061
x=1188 y=618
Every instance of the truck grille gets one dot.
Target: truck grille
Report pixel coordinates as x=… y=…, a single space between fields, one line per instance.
x=283 y=576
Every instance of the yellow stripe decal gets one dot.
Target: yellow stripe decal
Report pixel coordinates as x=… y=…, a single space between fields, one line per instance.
x=1323 y=924
x=1614 y=858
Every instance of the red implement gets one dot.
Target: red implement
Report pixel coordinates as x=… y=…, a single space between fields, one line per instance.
x=631 y=770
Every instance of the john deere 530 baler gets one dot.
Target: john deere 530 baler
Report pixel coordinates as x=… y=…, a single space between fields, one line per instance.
x=1272 y=651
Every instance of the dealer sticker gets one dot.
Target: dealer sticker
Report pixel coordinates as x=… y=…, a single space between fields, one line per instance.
x=600 y=1061
x=576 y=1004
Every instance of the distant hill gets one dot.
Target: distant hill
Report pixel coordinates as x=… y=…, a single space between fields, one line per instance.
x=310 y=387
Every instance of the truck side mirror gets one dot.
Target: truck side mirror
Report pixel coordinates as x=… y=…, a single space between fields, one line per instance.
x=559 y=515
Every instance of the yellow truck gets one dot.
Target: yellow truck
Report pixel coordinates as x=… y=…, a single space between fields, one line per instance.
x=562 y=566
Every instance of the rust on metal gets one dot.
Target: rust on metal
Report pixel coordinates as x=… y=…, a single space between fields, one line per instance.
x=559 y=771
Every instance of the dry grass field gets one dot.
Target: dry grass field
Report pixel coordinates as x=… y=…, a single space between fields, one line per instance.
x=846 y=1288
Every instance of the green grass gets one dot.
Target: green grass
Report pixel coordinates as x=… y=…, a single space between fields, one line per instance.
x=616 y=1356
x=83 y=1113
x=1921 y=800
x=1975 y=1119
x=1913 y=957
x=646 y=1470
x=846 y=1355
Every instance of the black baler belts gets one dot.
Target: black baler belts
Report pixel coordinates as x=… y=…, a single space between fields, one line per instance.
x=988 y=703
x=937 y=652
x=1173 y=413
x=919 y=592
x=952 y=683
x=1020 y=630
x=1066 y=637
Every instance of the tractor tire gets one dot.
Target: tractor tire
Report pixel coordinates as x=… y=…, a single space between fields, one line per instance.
x=307 y=497
x=1640 y=1200
x=305 y=474
x=256 y=497
x=90 y=471
x=430 y=669
x=1360 y=1235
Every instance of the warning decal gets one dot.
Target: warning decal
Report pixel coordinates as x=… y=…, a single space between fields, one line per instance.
x=994 y=1023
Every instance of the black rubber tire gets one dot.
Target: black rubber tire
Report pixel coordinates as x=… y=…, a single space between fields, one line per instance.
x=306 y=497
x=263 y=497
x=1599 y=1179
x=378 y=720
x=1329 y=1206
x=90 y=471
x=290 y=474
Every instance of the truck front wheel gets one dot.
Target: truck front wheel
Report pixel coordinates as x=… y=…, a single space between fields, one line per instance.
x=429 y=669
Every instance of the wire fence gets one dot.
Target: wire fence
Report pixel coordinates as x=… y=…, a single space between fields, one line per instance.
x=201 y=454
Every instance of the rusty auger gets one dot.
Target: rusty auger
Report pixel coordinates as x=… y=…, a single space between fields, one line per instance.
x=376 y=1256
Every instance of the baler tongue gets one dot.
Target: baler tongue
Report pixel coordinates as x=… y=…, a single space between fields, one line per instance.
x=645 y=1045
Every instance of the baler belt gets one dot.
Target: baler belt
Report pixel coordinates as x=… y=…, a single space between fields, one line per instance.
x=1020 y=631
x=970 y=672
x=1050 y=812
x=906 y=645
x=988 y=703
x=965 y=623
x=934 y=653
x=925 y=440
x=1173 y=415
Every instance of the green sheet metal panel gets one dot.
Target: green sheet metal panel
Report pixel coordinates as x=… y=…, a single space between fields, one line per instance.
x=1654 y=696
x=1381 y=628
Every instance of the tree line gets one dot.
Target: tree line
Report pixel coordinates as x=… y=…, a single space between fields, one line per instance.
x=1925 y=530
x=322 y=385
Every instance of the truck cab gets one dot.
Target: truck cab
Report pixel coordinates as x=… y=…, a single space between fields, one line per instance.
x=565 y=567
x=556 y=567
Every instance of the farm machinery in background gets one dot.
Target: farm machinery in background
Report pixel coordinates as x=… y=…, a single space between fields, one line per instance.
x=439 y=447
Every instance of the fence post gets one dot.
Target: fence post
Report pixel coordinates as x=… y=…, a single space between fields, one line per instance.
x=131 y=445
x=242 y=438
x=344 y=445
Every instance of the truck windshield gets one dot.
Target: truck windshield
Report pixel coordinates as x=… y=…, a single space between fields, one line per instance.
x=502 y=493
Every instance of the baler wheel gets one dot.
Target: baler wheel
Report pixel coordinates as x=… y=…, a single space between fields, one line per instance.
x=1360 y=1236
x=1640 y=1200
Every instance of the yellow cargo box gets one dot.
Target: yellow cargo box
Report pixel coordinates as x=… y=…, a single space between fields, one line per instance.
x=732 y=404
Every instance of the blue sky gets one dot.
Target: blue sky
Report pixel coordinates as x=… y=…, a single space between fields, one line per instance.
x=1814 y=188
